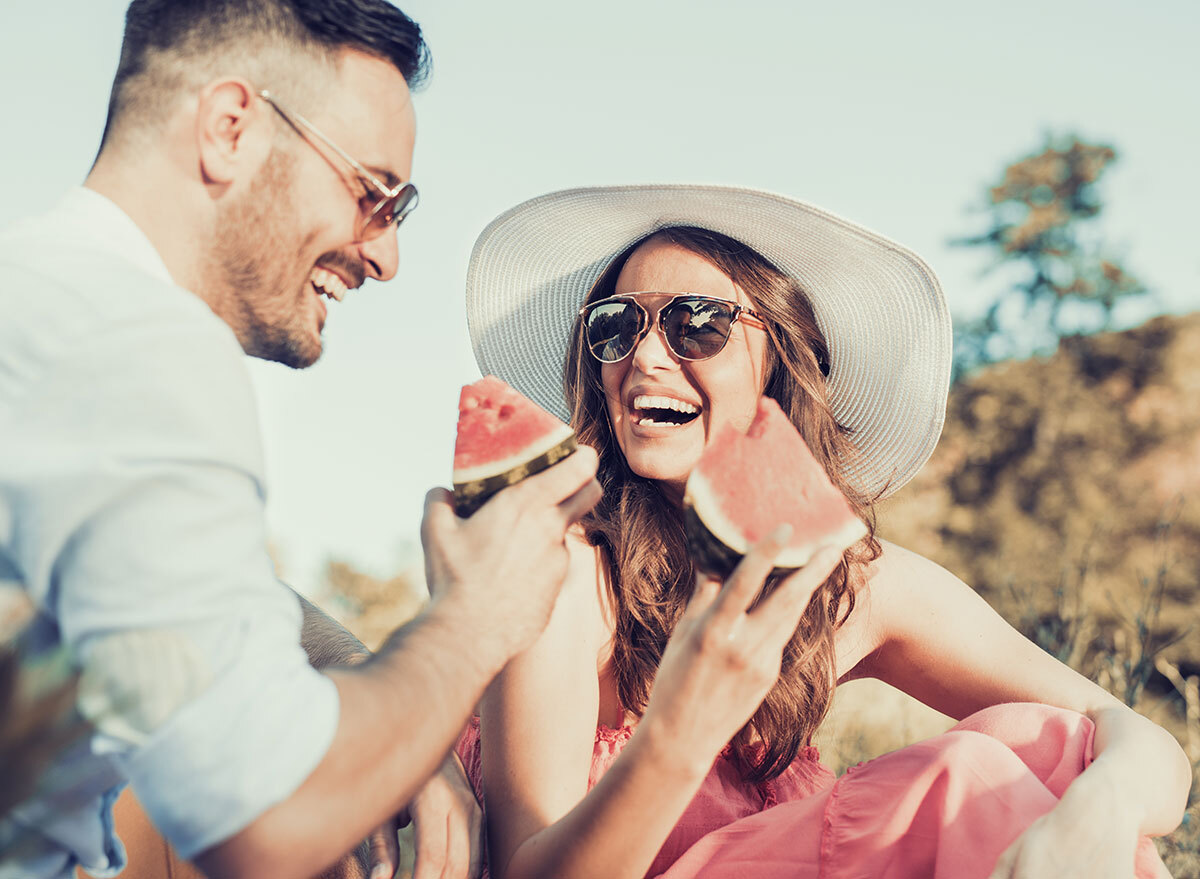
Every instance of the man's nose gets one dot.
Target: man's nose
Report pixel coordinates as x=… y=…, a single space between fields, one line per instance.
x=381 y=255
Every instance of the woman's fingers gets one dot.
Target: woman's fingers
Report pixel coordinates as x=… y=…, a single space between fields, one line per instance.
x=703 y=595
x=747 y=578
x=432 y=842
x=780 y=611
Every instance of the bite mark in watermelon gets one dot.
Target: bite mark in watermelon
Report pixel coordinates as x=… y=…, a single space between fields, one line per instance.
x=503 y=437
x=747 y=484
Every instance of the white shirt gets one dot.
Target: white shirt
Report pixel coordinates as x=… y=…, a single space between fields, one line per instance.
x=131 y=510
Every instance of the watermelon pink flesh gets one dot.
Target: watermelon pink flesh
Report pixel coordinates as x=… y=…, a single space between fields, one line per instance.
x=747 y=484
x=499 y=429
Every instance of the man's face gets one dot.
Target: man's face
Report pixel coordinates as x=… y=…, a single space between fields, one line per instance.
x=286 y=247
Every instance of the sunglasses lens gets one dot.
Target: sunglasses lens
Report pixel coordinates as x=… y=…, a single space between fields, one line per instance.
x=391 y=212
x=697 y=329
x=612 y=330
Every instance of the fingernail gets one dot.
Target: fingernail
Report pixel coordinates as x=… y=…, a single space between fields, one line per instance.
x=381 y=872
x=782 y=533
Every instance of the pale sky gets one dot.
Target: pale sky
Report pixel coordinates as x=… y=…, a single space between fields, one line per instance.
x=894 y=115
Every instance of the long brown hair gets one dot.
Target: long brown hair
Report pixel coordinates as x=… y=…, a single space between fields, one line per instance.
x=639 y=531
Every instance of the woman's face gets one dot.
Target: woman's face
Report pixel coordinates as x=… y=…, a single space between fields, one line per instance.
x=721 y=390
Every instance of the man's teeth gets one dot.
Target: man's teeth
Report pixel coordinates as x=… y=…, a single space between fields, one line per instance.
x=644 y=401
x=328 y=283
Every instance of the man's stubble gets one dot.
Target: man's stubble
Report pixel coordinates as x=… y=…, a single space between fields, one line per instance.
x=259 y=271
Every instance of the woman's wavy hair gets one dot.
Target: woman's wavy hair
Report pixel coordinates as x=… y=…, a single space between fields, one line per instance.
x=639 y=531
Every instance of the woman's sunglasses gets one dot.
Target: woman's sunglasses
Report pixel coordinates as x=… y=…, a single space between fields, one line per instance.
x=695 y=327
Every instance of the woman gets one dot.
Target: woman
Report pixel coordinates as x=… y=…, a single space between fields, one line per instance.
x=630 y=740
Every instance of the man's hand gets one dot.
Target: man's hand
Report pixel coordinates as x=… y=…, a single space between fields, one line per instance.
x=495 y=579
x=498 y=573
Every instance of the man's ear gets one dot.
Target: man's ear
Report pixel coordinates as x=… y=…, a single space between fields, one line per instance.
x=233 y=130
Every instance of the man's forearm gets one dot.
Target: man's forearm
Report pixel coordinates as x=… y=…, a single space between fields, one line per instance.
x=399 y=714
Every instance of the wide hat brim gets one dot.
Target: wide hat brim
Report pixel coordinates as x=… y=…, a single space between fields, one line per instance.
x=878 y=304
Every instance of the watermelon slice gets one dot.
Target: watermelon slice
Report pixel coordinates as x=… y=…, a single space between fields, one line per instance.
x=747 y=484
x=503 y=437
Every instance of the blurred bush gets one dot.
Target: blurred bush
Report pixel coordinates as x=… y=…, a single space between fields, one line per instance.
x=369 y=606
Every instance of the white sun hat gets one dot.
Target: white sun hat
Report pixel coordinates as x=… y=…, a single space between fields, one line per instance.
x=878 y=304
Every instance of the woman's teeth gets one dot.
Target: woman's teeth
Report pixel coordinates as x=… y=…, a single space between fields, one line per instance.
x=680 y=412
x=644 y=401
x=328 y=283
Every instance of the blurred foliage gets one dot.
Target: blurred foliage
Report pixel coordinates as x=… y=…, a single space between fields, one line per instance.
x=1068 y=487
x=372 y=607
x=1066 y=490
x=1066 y=281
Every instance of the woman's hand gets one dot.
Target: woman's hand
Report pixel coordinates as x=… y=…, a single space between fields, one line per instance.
x=448 y=826
x=447 y=831
x=1088 y=835
x=723 y=659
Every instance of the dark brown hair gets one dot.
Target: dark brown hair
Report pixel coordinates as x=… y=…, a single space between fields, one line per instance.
x=281 y=44
x=639 y=531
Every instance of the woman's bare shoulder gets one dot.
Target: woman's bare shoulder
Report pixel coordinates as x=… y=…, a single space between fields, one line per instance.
x=883 y=586
x=589 y=591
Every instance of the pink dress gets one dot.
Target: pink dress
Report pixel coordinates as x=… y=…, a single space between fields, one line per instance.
x=944 y=808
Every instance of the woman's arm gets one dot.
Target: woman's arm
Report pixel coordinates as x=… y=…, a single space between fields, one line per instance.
x=445 y=815
x=937 y=640
x=539 y=722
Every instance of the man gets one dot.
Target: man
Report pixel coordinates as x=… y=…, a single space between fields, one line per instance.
x=252 y=171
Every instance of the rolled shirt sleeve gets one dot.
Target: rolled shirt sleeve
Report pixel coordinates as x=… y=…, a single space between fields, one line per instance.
x=131 y=505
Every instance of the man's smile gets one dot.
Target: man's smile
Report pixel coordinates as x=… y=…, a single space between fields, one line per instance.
x=328 y=283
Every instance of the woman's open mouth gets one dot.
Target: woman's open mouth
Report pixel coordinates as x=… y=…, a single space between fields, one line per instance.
x=657 y=411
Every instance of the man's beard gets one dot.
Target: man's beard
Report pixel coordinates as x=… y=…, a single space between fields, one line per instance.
x=257 y=268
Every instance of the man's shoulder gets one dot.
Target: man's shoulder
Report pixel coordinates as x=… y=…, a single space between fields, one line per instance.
x=75 y=284
x=63 y=299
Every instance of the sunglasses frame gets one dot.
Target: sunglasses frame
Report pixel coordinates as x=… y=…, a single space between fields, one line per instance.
x=645 y=324
x=388 y=195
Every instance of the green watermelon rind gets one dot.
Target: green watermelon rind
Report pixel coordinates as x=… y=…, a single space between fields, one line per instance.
x=727 y=539
x=713 y=555
x=708 y=552
x=471 y=495
x=718 y=542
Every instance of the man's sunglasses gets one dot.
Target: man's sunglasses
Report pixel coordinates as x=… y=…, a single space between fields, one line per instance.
x=380 y=207
x=695 y=327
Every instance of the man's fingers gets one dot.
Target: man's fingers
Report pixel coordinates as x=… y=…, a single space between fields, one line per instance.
x=439 y=511
x=785 y=605
x=747 y=578
x=555 y=484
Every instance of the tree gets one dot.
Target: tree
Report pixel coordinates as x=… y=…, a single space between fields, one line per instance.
x=1066 y=282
